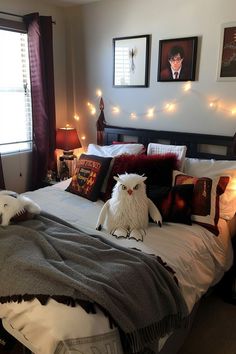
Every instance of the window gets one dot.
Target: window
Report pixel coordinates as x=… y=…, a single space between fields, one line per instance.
x=15 y=93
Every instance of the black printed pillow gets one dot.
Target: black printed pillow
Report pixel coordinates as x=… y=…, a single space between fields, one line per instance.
x=90 y=173
x=174 y=203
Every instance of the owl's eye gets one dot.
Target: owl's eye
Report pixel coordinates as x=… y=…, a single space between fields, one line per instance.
x=136 y=187
x=124 y=187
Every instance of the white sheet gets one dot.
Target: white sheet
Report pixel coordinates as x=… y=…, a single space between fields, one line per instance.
x=198 y=257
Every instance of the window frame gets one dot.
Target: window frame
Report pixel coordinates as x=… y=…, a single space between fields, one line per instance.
x=19 y=27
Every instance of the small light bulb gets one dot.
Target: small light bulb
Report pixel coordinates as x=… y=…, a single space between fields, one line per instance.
x=150 y=113
x=93 y=110
x=233 y=111
x=115 y=109
x=187 y=86
x=212 y=105
x=133 y=115
x=83 y=137
x=170 y=107
x=76 y=117
x=99 y=93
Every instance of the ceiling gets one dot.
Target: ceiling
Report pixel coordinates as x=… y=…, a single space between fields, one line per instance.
x=70 y=2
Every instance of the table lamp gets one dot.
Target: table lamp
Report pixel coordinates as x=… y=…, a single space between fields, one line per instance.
x=67 y=140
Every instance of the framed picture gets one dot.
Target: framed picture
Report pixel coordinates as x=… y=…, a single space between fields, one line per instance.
x=131 y=61
x=227 y=56
x=177 y=59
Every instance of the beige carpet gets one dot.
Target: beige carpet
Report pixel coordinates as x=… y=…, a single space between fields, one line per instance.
x=214 y=328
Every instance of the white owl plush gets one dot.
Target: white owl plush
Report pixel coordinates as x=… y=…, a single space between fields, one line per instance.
x=126 y=214
x=13 y=205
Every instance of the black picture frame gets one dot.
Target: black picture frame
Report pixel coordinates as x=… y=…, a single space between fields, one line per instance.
x=174 y=52
x=227 y=62
x=131 y=61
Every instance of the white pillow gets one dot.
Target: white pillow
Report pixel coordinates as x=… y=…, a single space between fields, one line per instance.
x=115 y=150
x=179 y=150
x=214 y=168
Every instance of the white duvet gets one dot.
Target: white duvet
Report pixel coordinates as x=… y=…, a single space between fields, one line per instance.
x=198 y=257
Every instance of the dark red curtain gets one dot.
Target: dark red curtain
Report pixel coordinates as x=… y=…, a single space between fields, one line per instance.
x=40 y=41
x=2 y=182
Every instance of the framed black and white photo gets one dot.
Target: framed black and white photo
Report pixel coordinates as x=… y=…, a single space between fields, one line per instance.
x=131 y=61
x=177 y=59
x=227 y=55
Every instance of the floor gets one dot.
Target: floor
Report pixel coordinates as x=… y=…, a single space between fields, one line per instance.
x=214 y=328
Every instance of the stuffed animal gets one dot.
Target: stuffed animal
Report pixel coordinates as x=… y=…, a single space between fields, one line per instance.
x=126 y=213
x=13 y=205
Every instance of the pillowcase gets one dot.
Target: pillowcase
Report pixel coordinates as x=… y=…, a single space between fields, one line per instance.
x=115 y=149
x=213 y=168
x=206 y=193
x=157 y=168
x=143 y=151
x=90 y=173
x=179 y=150
x=174 y=203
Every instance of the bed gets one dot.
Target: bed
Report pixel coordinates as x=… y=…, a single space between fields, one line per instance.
x=193 y=258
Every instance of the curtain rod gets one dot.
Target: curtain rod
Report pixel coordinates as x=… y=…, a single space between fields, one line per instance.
x=20 y=16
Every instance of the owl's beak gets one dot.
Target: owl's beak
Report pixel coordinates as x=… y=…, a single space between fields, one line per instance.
x=130 y=191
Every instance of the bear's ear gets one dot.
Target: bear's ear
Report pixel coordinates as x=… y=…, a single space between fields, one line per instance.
x=144 y=178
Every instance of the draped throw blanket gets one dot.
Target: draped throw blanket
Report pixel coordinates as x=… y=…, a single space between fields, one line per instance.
x=43 y=258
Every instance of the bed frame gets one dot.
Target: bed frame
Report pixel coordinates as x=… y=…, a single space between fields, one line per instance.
x=204 y=146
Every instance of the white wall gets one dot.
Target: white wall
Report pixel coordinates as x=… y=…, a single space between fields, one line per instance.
x=91 y=28
x=14 y=164
x=83 y=62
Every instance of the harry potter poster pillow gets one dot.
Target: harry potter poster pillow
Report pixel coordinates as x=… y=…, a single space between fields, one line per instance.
x=90 y=173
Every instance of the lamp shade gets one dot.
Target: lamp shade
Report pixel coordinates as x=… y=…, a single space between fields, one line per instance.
x=67 y=139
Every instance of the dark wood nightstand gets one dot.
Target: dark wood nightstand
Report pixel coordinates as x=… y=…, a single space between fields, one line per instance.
x=47 y=182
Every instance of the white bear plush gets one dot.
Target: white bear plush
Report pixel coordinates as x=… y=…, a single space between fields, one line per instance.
x=13 y=205
x=126 y=214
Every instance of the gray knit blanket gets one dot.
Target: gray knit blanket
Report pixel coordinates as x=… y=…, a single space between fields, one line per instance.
x=44 y=258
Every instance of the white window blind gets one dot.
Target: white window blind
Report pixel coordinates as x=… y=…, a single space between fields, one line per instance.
x=122 y=76
x=15 y=93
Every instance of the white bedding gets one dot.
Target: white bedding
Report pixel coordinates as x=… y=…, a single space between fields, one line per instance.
x=198 y=257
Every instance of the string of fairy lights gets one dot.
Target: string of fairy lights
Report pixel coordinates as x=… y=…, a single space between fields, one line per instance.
x=152 y=112
x=171 y=106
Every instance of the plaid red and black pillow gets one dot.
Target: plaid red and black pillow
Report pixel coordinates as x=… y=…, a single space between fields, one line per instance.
x=90 y=173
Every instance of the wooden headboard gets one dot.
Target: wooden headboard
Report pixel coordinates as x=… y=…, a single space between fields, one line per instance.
x=203 y=146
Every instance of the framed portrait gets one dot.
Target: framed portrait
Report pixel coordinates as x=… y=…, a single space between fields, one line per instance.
x=227 y=54
x=131 y=61
x=177 y=59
